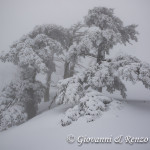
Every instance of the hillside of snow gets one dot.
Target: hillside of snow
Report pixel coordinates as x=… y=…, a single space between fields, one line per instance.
x=44 y=132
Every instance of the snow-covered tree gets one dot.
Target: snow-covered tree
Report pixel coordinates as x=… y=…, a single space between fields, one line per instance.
x=18 y=102
x=109 y=74
x=34 y=53
x=100 y=33
x=109 y=32
x=19 y=99
x=104 y=32
x=75 y=33
x=58 y=41
x=25 y=90
x=37 y=50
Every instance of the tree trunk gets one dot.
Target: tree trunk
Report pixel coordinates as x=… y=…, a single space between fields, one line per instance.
x=72 y=66
x=47 y=95
x=101 y=53
x=51 y=66
x=100 y=89
x=31 y=105
x=66 y=70
x=100 y=58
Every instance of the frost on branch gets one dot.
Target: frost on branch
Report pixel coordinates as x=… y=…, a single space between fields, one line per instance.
x=130 y=68
x=70 y=90
x=90 y=41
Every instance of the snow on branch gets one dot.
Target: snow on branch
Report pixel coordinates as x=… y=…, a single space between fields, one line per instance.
x=82 y=90
x=108 y=74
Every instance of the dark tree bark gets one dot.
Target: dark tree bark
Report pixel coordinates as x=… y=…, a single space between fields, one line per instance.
x=47 y=95
x=101 y=53
x=66 y=70
x=72 y=66
x=31 y=104
x=100 y=58
x=51 y=66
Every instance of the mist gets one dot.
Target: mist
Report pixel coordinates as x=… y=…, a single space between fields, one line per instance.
x=19 y=17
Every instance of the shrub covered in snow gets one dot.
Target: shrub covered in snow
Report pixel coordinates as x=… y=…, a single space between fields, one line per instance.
x=90 y=106
x=12 y=116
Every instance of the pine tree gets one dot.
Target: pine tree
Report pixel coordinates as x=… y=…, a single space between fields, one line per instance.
x=19 y=99
x=106 y=30
x=109 y=74
x=74 y=34
x=82 y=90
x=49 y=41
x=110 y=30
x=37 y=50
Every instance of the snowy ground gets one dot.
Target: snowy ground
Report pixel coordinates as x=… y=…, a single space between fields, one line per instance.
x=44 y=132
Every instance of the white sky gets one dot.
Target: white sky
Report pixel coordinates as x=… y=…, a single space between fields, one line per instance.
x=18 y=17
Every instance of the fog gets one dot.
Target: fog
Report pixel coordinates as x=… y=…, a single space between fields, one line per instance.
x=18 y=17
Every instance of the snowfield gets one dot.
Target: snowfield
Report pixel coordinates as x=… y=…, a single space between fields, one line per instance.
x=44 y=132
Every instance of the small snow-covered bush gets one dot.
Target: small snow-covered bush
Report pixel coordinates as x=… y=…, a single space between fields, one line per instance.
x=12 y=116
x=90 y=106
x=72 y=114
